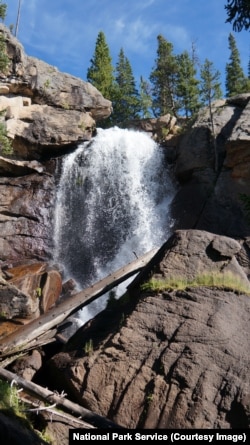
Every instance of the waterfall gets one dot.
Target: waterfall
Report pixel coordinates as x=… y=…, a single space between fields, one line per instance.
x=112 y=205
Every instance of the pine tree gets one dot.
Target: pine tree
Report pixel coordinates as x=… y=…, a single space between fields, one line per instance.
x=163 y=79
x=3 y=10
x=238 y=12
x=4 y=60
x=187 y=90
x=209 y=91
x=125 y=99
x=101 y=71
x=145 y=99
x=235 y=78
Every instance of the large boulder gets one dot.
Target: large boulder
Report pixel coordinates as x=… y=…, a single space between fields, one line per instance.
x=238 y=147
x=214 y=174
x=46 y=109
x=26 y=292
x=170 y=358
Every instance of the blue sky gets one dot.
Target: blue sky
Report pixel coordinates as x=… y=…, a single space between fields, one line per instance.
x=64 y=32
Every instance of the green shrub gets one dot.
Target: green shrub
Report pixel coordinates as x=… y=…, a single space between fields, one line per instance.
x=9 y=401
x=4 y=59
x=5 y=143
x=88 y=347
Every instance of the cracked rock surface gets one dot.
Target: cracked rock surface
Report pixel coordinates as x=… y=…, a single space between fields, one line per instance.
x=173 y=358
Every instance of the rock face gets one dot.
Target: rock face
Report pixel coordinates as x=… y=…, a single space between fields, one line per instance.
x=171 y=358
x=208 y=199
x=26 y=213
x=46 y=109
x=45 y=113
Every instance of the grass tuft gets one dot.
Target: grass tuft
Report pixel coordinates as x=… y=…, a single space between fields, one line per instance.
x=221 y=280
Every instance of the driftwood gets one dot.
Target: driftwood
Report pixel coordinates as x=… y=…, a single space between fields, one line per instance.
x=41 y=330
x=60 y=401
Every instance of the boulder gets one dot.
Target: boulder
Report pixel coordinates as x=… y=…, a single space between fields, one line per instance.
x=11 y=167
x=169 y=358
x=238 y=148
x=27 y=291
x=161 y=129
x=17 y=304
x=208 y=198
x=14 y=432
x=27 y=366
x=46 y=109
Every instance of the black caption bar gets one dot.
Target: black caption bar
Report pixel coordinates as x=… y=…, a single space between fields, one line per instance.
x=222 y=437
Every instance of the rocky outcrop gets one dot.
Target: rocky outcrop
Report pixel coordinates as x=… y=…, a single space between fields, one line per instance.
x=46 y=109
x=45 y=112
x=26 y=292
x=210 y=198
x=26 y=214
x=161 y=129
x=238 y=146
x=172 y=358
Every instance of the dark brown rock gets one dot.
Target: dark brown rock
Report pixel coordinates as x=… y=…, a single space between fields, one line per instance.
x=26 y=213
x=171 y=359
x=27 y=366
x=238 y=147
x=17 y=304
x=51 y=289
x=8 y=327
x=13 y=432
x=208 y=198
x=27 y=291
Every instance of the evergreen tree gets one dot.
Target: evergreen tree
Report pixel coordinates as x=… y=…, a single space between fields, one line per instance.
x=145 y=99
x=3 y=9
x=210 y=86
x=187 y=90
x=238 y=13
x=235 y=78
x=125 y=99
x=101 y=71
x=163 y=79
x=209 y=91
x=4 y=60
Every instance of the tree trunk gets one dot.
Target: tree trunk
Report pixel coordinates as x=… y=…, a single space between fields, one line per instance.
x=37 y=332
x=61 y=402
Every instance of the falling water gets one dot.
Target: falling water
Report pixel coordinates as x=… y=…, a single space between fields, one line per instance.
x=112 y=205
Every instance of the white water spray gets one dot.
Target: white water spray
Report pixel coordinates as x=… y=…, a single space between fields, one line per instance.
x=112 y=204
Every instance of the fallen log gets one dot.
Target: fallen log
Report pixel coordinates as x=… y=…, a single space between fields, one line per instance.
x=60 y=401
x=30 y=335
